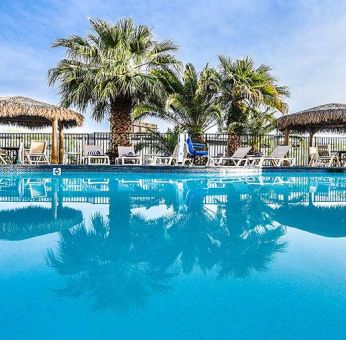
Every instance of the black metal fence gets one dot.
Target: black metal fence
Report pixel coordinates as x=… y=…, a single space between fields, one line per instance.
x=146 y=142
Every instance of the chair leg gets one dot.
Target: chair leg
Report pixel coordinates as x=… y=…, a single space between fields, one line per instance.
x=27 y=155
x=2 y=160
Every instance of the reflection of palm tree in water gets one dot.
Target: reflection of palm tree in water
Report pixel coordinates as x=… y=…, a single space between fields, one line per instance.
x=237 y=237
x=116 y=274
x=253 y=237
x=123 y=260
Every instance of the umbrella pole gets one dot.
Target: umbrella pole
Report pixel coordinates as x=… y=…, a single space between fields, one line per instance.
x=311 y=137
x=286 y=137
x=54 y=156
x=61 y=144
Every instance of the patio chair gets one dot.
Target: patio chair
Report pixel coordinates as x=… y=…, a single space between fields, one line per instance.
x=236 y=159
x=277 y=158
x=170 y=159
x=127 y=155
x=37 y=153
x=93 y=155
x=323 y=156
x=3 y=157
x=167 y=159
x=313 y=156
x=195 y=149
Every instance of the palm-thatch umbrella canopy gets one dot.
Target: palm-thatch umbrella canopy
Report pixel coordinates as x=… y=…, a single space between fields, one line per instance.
x=23 y=223
x=27 y=112
x=328 y=117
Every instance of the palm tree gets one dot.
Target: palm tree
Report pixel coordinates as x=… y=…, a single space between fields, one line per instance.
x=110 y=70
x=244 y=89
x=191 y=101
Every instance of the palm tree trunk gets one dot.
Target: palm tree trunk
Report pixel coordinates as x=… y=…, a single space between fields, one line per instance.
x=120 y=124
x=197 y=137
x=233 y=144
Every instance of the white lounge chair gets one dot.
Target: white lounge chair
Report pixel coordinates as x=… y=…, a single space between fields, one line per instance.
x=37 y=153
x=313 y=156
x=154 y=159
x=169 y=159
x=93 y=155
x=277 y=158
x=127 y=155
x=236 y=159
x=322 y=156
x=3 y=157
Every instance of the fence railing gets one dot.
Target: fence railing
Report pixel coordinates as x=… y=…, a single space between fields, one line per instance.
x=146 y=143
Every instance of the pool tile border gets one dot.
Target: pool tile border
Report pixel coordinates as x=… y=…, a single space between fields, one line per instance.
x=48 y=169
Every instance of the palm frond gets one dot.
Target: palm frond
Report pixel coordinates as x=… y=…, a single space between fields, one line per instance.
x=244 y=87
x=113 y=61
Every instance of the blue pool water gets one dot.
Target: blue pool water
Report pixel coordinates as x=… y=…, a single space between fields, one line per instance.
x=173 y=256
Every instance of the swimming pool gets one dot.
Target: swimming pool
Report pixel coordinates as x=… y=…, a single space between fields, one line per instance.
x=173 y=256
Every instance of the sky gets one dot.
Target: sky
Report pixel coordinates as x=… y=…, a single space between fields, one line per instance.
x=302 y=40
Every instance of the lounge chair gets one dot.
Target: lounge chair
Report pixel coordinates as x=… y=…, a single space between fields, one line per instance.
x=277 y=158
x=313 y=156
x=37 y=153
x=3 y=157
x=236 y=159
x=170 y=159
x=127 y=155
x=94 y=153
x=167 y=159
x=322 y=156
x=195 y=149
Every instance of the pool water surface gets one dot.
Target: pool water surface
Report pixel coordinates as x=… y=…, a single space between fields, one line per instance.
x=173 y=256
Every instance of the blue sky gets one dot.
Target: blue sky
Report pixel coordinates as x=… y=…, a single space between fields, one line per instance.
x=303 y=40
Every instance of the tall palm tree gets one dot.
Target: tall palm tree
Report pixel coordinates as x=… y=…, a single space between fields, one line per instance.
x=191 y=102
x=245 y=88
x=110 y=70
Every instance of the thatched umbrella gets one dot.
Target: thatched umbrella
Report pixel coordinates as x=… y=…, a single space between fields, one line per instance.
x=27 y=112
x=328 y=117
x=23 y=223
